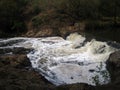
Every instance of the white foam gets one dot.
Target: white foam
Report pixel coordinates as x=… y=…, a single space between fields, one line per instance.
x=60 y=62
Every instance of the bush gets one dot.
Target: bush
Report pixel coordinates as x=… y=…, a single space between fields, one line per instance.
x=80 y=9
x=36 y=21
x=11 y=15
x=97 y=24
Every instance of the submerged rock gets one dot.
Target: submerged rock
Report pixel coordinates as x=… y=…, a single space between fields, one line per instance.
x=14 y=50
x=15 y=60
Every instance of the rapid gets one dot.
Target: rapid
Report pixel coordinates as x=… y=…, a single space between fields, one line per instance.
x=66 y=61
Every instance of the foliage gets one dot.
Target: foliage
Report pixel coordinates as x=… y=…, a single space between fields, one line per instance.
x=37 y=21
x=79 y=9
x=110 y=8
x=11 y=17
x=55 y=12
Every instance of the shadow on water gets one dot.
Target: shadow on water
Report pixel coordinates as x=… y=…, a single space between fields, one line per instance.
x=108 y=34
x=111 y=36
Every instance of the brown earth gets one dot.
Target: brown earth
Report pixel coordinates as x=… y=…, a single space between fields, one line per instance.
x=50 y=31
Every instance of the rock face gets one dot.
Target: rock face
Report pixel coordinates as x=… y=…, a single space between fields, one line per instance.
x=115 y=59
x=15 y=50
x=113 y=65
x=20 y=61
x=58 y=31
x=16 y=73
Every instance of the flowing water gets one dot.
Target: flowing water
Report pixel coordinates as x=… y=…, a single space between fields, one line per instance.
x=66 y=61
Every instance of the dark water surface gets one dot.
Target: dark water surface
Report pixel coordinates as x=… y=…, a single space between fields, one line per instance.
x=109 y=35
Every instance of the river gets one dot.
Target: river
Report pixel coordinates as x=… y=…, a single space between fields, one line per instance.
x=67 y=61
x=106 y=34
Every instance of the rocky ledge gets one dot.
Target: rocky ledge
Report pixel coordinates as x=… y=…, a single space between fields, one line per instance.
x=113 y=65
x=16 y=73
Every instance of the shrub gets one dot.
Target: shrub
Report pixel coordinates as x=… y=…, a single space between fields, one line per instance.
x=80 y=9
x=11 y=15
x=36 y=21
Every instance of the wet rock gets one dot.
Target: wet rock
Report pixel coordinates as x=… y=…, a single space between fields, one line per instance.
x=64 y=31
x=21 y=50
x=43 y=32
x=115 y=59
x=21 y=79
x=9 y=43
x=15 y=76
x=15 y=50
x=76 y=87
x=15 y=60
x=113 y=66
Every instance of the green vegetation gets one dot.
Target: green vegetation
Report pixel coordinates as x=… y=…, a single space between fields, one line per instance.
x=57 y=13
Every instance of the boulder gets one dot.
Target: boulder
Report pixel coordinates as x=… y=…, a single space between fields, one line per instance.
x=113 y=66
x=14 y=50
x=20 y=61
x=77 y=86
x=114 y=59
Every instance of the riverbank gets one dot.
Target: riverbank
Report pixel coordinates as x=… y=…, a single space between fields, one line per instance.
x=59 y=18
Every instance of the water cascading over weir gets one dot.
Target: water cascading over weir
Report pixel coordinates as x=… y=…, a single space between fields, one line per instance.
x=61 y=61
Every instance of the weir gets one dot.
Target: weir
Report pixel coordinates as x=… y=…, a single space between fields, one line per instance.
x=61 y=61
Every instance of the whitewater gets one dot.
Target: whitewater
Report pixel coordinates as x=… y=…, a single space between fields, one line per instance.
x=66 y=61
